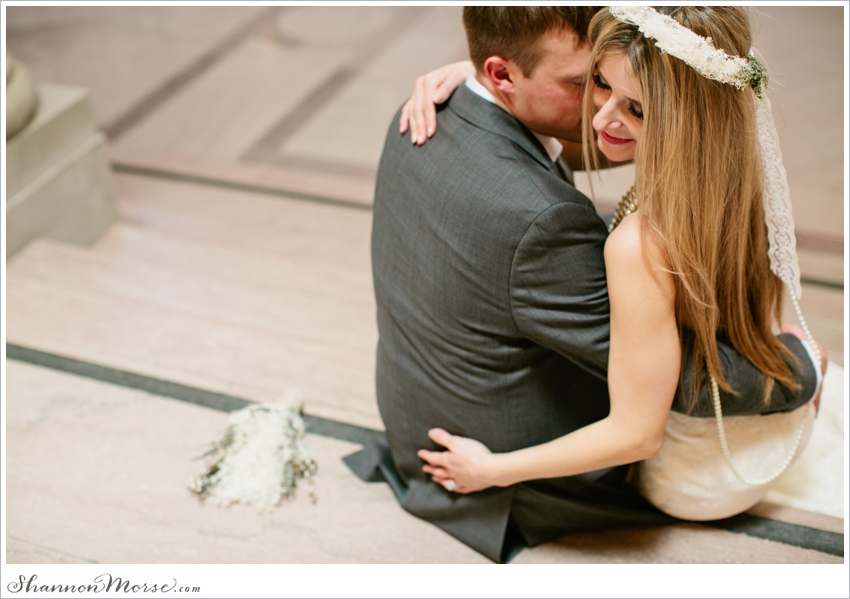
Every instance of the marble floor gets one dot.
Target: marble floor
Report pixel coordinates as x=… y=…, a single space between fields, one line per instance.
x=244 y=144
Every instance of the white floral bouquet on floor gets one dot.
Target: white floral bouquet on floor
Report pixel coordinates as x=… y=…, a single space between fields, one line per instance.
x=259 y=458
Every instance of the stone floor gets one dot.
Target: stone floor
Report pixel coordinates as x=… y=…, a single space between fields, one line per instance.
x=244 y=143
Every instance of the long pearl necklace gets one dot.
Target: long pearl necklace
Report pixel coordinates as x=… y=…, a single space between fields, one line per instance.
x=724 y=445
x=718 y=414
x=626 y=206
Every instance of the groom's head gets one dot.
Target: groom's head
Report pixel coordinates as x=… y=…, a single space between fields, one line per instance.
x=534 y=59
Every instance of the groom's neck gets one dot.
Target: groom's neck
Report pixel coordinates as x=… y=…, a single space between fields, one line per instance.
x=497 y=95
x=484 y=80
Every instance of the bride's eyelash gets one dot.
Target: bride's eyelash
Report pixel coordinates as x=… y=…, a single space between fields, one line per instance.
x=597 y=80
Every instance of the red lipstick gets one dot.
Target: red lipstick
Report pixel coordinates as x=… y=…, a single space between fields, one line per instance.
x=614 y=140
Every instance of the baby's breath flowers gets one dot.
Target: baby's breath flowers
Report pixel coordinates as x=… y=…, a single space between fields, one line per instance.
x=260 y=457
x=697 y=51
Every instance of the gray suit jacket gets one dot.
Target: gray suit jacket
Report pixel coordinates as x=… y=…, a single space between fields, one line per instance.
x=494 y=324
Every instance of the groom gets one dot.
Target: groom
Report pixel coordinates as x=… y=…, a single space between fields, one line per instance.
x=491 y=294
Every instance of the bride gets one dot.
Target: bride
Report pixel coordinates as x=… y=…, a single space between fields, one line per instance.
x=689 y=258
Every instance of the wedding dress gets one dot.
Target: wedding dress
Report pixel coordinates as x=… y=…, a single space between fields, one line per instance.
x=688 y=478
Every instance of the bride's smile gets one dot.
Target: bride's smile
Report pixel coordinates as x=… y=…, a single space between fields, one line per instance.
x=614 y=140
x=619 y=116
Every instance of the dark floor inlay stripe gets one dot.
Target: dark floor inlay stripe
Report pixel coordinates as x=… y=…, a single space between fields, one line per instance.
x=267 y=149
x=210 y=399
x=783 y=532
x=822 y=283
x=341 y=430
x=222 y=183
x=747 y=524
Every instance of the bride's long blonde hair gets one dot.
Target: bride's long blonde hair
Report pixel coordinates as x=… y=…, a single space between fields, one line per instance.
x=699 y=186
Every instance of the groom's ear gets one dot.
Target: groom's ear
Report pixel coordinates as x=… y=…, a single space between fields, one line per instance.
x=501 y=73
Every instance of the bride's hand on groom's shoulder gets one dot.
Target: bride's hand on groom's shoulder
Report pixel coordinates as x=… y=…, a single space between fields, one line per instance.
x=467 y=462
x=419 y=113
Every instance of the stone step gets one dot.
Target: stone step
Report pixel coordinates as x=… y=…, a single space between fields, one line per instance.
x=228 y=291
x=58 y=180
x=209 y=351
x=323 y=317
x=309 y=232
x=262 y=271
x=62 y=123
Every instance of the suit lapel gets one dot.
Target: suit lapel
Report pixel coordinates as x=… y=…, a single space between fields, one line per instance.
x=564 y=171
x=486 y=115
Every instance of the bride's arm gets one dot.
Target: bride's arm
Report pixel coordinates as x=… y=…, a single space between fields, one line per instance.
x=644 y=364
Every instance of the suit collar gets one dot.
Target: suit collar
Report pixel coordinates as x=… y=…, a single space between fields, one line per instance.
x=485 y=115
x=552 y=146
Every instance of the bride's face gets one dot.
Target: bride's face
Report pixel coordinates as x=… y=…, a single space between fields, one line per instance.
x=619 y=116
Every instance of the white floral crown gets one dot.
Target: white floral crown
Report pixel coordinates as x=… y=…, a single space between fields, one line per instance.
x=700 y=53
x=697 y=51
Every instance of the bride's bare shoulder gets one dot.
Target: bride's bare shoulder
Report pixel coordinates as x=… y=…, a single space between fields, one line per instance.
x=633 y=251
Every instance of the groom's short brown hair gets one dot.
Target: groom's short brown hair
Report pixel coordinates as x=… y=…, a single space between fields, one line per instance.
x=512 y=31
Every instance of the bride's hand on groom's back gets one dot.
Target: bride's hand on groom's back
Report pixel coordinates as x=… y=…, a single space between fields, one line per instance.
x=419 y=113
x=467 y=462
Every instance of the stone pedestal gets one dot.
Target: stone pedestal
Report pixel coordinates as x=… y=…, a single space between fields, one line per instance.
x=21 y=99
x=58 y=182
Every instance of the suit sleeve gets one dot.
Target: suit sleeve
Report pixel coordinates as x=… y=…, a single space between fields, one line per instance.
x=747 y=380
x=559 y=295
x=559 y=300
